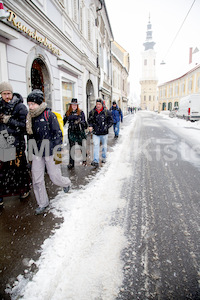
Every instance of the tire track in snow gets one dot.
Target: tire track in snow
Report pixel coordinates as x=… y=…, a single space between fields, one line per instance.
x=162 y=227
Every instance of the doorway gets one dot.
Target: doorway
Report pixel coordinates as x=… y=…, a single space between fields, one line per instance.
x=40 y=79
x=90 y=99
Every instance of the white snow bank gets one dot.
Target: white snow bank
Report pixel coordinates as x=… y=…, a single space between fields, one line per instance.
x=81 y=261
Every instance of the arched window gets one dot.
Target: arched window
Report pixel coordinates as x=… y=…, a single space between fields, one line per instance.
x=40 y=79
x=170 y=106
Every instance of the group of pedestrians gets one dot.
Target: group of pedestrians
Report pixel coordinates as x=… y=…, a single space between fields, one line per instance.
x=45 y=138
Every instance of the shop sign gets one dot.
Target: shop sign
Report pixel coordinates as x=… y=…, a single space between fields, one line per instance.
x=33 y=34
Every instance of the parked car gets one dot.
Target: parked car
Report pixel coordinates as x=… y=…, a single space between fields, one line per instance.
x=173 y=112
x=189 y=108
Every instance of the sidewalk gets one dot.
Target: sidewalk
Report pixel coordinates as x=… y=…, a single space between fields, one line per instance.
x=22 y=233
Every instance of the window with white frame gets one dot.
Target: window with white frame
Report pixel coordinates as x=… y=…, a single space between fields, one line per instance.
x=67 y=94
x=198 y=84
x=176 y=90
x=100 y=56
x=119 y=81
x=183 y=88
x=115 y=79
x=190 y=85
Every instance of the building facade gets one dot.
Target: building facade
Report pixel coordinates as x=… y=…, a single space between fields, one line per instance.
x=149 y=81
x=170 y=93
x=120 y=71
x=61 y=47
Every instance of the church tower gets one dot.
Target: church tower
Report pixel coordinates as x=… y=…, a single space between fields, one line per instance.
x=149 y=81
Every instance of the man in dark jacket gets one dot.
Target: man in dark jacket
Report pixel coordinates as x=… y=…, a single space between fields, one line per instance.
x=117 y=117
x=14 y=175
x=100 y=120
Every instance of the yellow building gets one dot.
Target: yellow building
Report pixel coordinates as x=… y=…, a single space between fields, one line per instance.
x=170 y=93
x=120 y=75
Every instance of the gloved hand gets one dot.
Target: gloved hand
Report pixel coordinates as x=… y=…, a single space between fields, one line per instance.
x=4 y=118
x=58 y=158
x=77 y=121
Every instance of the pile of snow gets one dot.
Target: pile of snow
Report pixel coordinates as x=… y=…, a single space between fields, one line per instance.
x=82 y=258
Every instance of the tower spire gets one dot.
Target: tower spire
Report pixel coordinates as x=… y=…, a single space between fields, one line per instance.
x=149 y=44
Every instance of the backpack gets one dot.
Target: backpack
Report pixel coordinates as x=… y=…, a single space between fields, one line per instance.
x=59 y=118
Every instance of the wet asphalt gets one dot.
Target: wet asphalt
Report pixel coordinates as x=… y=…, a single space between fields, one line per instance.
x=22 y=232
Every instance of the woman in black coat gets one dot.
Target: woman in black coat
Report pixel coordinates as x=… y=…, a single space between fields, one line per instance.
x=14 y=173
x=76 y=131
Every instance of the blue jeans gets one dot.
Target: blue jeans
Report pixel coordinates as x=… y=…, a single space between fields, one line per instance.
x=96 y=140
x=116 y=128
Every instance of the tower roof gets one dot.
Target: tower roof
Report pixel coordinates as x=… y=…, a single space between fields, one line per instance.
x=149 y=44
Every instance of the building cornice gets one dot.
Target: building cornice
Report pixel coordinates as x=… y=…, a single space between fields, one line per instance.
x=178 y=78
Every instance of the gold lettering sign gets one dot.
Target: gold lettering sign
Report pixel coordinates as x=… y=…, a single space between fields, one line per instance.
x=33 y=34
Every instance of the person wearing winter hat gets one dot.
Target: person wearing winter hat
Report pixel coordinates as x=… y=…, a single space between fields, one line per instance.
x=99 y=122
x=117 y=117
x=76 y=131
x=14 y=170
x=5 y=86
x=43 y=129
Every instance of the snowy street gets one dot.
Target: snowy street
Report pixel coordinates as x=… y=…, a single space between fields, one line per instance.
x=131 y=232
x=162 y=217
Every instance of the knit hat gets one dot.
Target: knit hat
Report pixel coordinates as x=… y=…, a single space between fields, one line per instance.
x=114 y=102
x=36 y=96
x=5 y=86
x=99 y=100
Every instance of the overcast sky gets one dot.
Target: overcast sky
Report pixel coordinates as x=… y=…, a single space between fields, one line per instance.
x=129 y=19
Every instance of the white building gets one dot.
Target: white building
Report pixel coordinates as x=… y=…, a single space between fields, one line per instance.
x=120 y=70
x=59 y=46
x=149 y=81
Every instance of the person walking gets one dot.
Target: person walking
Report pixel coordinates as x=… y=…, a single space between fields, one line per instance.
x=99 y=122
x=14 y=173
x=117 y=117
x=44 y=133
x=76 y=131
